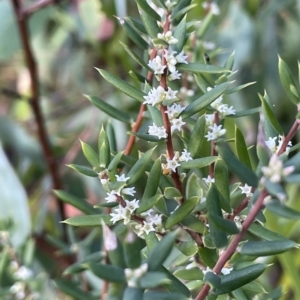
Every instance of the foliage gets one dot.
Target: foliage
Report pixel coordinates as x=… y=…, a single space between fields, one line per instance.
x=188 y=207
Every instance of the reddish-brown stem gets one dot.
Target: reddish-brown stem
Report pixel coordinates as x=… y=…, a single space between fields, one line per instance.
x=35 y=105
x=140 y=116
x=289 y=136
x=225 y=256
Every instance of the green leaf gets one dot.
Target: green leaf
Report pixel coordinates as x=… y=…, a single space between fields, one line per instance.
x=192 y=222
x=133 y=293
x=148 y=203
x=197 y=137
x=287 y=80
x=268 y=112
x=191 y=274
x=83 y=170
x=218 y=237
x=89 y=221
x=152 y=181
x=212 y=279
x=243 y=172
x=106 y=204
x=155 y=115
x=71 y=288
x=133 y=34
x=160 y=251
x=103 y=148
x=153 y=279
x=223 y=224
x=236 y=279
x=115 y=162
x=205 y=100
x=230 y=61
x=278 y=208
x=132 y=250
x=109 y=109
x=246 y=112
x=151 y=25
x=80 y=204
x=171 y=193
x=264 y=233
x=208 y=256
x=137 y=76
x=147 y=137
x=241 y=148
x=90 y=154
x=122 y=85
x=145 y=7
x=136 y=57
x=188 y=248
x=139 y=167
x=266 y=248
x=222 y=184
x=109 y=273
x=180 y=34
x=163 y=296
x=180 y=5
x=181 y=212
x=136 y=24
x=201 y=68
x=199 y=162
x=183 y=11
x=205 y=23
x=238 y=88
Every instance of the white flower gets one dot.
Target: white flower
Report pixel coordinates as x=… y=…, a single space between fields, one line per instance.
x=215 y=132
x=122 y=178
x=190 y=93
x=168 y=37
x=173 y=163
x=246 y=189
x=155 y=96
x=18 y=289
x=158 y=9
x=275 y=171
x=212 y=6
x=174 y=110
x=224 y=110
x=203 y=199
x=217 y=102
x=280 y=141
x=147 y=213
x=132 y=276
x=174 y=75
x=209 y=118
x=176 y=124
x=23 y=273
x=181 y=58
x=208 y=180
x=226 y=271
x=185 y=156
x=111 y=196
x=129 y=191
x=146 y=228
x=157 y=220
x=132 y=205
x=271 y=144
x=158 y=131
x=156 y=65
x=170 y=94
x=121 y=213
x=209 y=45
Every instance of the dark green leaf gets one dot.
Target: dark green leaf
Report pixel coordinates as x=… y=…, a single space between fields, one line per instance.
x=197 y=136
x=89 y=221
x=209 y=256
x=107 y=272
x=223 y=224
x=83 y=170
x=147 y=137
x=163 y=296
x=151 y=25
x=241 y=148
x=90 y=154
x=238 y=88
x=193 y=223
x=153 y=279
x=180 y=34
x=148 y=203
x=201 y=68
x=132 y=293
x=199 y=162
x=278 y=208
x=148 y=10
x=191 y=274
x=264 y=233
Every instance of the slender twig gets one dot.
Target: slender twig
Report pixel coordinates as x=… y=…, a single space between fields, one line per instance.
x=34 y=102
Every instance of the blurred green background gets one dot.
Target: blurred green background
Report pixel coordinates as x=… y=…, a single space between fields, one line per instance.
x=69 y=39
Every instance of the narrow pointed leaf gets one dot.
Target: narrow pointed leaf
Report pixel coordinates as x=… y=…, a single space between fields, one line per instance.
x=287 y=80
x=199 y=162
x=109 y=273
x=76 y=202
x=171 y=193
x=205 y=100
x=193 y=223
x=246 y=112
x=201 y=68
x=133 y=293
x=148 y=203
x=104 y=149
x=236 y=279
x=209 y=256
x=148 y=10
x=238 y=88
x=153 y=279
x=163 y=296
x=205 y=23
x=147 y=137
x=191 y=274
x=243 y=172
x=241 y=148
x=230 y=61
x=83 y=170
x=140 y=167
x=180 y=34
x=90 y=154
x=132 y=251
x=150 y=24
x=160 y=252
x=278 y=208
x=197 y=137
x=266 y=248
x=177 y=9
x=89 y=221
x=136 y=24
x=224 y=224
x=155 y=115
x=264 y=233
x=122 y=85
x=181 y=212
x=183 y=11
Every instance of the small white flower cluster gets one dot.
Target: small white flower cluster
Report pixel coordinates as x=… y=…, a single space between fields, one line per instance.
x=271 y=144
x=157 y=95
x=132 y=276
x=212 y=6
x=173 y=112
x=173 y=163
x=246 y=189
x=159 y=131
x=275 y=171
x=153 y=222
x=186 y=92
x=168 y=37
x=208 y=180
x=215 y=131
x=222 y=108
x=156 y=64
